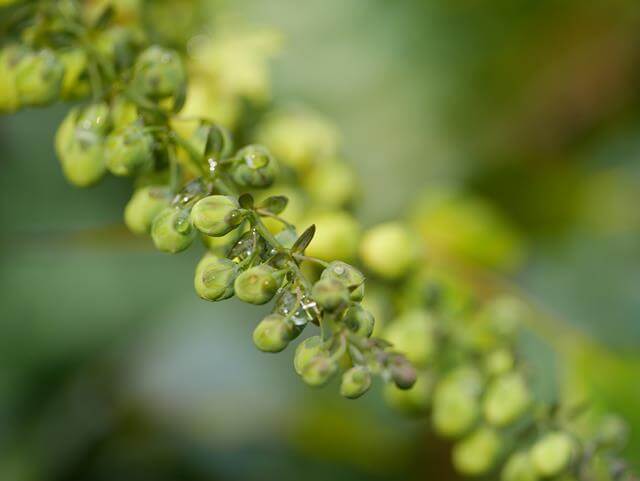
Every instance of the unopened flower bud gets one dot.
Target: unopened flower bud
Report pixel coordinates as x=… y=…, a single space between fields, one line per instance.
x=499 y=362
x=477 y=453
x=415 y=400
x=456 y=403
x=349 y=276
x=519 y=468
x=389 y=250
x=39 y=78
x=506 y=399
x=413 y=334
x=337 y=235
x=613 y=432
x=330 y=294
x=159 y=73
x=255 y=167
x=355 y=382
x=129 y=151
x=359 y=320
x=216 y=215
x=274 y=333
x=75 y=83
x=403 y=373
x=10 y=57
x=172 y=231
x=306 y=351
x=257 y=285
x=552 y=453
x=143 y=207
x=214 y=278
x=319 y=370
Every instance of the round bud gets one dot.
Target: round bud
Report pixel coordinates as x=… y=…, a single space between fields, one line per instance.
x=257 y=285
x=499 y=362
x=273 y=333
x=39 y=78
x=216 y=215
x=519 y=468
x=506 y=399
x=306 y=350
x=129 y=151
x=337 y=235
x=214 y=278
x=330 y=294
x=413 y=334
x=319 y=370
x=415 y=400
x=332 y=184
x=143 y=207
x=172 y=231
x=159 y=73
x=359 y=320
x=403 y=373
x=552 y=453
x=477 y=453
x=455 y=402
x=254 y=167
x=349 y=276
x=355 y=382
x=74 y=82
x=389 y=250
x=10 y=57
x=613 y=432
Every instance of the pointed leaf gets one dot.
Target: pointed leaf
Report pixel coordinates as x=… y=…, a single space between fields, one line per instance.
x=304 y=240
x=274 y=204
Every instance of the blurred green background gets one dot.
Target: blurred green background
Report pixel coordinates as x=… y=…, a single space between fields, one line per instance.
x=112 y=368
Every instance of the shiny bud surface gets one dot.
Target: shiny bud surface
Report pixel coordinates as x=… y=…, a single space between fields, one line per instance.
x=255 y=167
x=143 y=207
x=214 y=278
x=172 y=231
x=257 y=285
x=159 y=73
x=349 y=276
x=129 y=151
x=273 y=333
x=213 y=215
x=359 y=320
x=330 y=294
x=355 y=382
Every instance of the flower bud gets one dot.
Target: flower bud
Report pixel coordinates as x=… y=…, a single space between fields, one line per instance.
x=172 y=231
x=403 y=373
x=336 y=237
x=519 y=468
x=359 y=320
x=255 y=167
x=257 y=285
x=39 y=78
x=319 y=370
x=499 y=362
x=332 y=184
x=305 y=352
x=10 y=57
x=159 y=73
x=613 y=432
x=413 y=334
x=349 y=276
x=330 y=294
x=74 y=82
x=355 y=382
x=216 y=215
x=415 y=400
x=273 y=333
x=389 y=250
x=143 y=207
x=552 y=453
x=128 y=151
x=455 y=402
x=214 y=278
x=506 y=399
x=476 y=454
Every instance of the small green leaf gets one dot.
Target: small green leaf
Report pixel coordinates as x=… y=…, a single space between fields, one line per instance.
x=274 y=204
x=304 y=240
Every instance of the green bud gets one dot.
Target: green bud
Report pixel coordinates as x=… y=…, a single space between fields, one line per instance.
x=413 y=334
x=613 y=432
x=403 y=373
x=507 y=398
x=552 y=453
x=519 y=468
x=143 y=207
x=129 y=151
x=216 y=215
x=330 y=294
x=455 y=402
x=39 y=78
x=477 y=453
x=389 y=250
x=257 y=285
x=349 y=276
x=499 y=362
x=10 y=57
x=214 y=278
x=74 y=82
x=254 y=167
x=159 y=73
x=337 y=236
x=319 y=370
x=305 y=352
x=172 y=231
x=359 y=320
x=274 y=333
x=415 y=400
x=355 y=382
x=332 y=183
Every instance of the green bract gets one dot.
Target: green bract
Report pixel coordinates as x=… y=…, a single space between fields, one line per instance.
x=552 y=453
x=129 y=151
x=355 y=382
x=359 y=320
x=159 y=73
x=477 y=453
x=39 y=78
x=349 y=276
x=143 y=207
x=274 y=333
x=254 y=166
x=214 y=278
x=306 y=350
x=172 y=231
x=257 y=285
x=330 y=294
x=507 y=398
x=216 y=215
